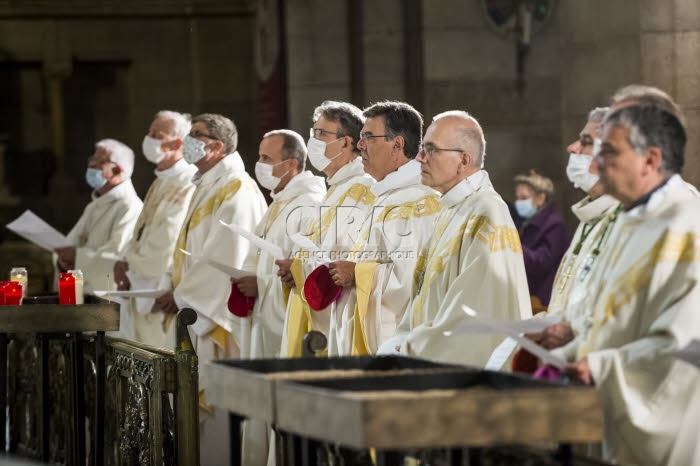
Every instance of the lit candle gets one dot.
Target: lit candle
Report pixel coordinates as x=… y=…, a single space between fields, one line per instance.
x=66 y=288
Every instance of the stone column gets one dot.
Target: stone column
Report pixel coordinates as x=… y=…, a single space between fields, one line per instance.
x=670 y=44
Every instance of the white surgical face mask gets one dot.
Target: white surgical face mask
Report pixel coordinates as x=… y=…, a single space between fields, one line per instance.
x=578 y=168
x=263 y=173
x=316 y=150
x=152 y=150
x=525 y=208
x=192 y=149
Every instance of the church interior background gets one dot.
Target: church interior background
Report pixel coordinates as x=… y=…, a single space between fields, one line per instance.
x=75 y=71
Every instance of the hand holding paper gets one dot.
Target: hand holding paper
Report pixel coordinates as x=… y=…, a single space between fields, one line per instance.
x=506 y=328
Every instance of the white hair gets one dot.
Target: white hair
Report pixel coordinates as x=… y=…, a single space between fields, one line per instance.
x=182 y=122
x=597 y=114
x=472 y=138
x=120 y=154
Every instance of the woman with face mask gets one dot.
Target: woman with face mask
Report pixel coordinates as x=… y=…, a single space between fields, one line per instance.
x=543 y=233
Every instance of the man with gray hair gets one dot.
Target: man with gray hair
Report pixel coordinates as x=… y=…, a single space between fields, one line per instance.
x=473 y=257
x=148 y=255
x=644 y=290
x=224 y=192
x=597 y=213
x=332 y=149
x=385 y=252
x=107 y=222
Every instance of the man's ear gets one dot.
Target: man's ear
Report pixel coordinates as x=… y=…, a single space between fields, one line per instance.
x=654 y=158
x=218 y=146
x=116 y=170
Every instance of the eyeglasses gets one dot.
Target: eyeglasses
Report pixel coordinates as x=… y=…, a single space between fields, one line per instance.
x=318 y=132
x=430 y=150
x=198 y=134
x=367 y=136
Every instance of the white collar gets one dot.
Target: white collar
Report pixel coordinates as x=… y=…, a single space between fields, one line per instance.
x=465 y=188
x=178 y=168
x=407 y=174
x=119 y=190
x=231 y=163
x=657 y=197
x=587 y=210
x=304 y=182
x=349 y=170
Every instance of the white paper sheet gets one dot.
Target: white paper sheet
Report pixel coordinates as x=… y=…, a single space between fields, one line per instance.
x=305 y=243
x=227 y=269
x=529 y=345
x=143 y=305
x=480 y=325
x=690 y=353
x=501 y=354
x=131 y=293
x=266 y=245
x=32 y=228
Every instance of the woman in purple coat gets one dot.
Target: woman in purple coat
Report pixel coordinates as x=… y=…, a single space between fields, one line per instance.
x=543 y=233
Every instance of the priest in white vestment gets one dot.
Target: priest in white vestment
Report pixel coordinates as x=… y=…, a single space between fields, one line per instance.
x=598 y=213
x=644 y=305
x=297 y=195
x=223 y=192
x=101 y=233
x=473 y=257
x=332 y=149
x=402 y=218
x=149 y=254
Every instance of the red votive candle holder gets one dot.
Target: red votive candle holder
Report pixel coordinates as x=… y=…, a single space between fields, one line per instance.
x=12 y=294
x=66 y=288
x=3 y=284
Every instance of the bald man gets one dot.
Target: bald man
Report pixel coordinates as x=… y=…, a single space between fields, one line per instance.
x=474 y=257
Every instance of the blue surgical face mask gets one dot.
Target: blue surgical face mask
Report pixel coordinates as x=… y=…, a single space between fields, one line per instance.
x=525 y=208
x=94 y=178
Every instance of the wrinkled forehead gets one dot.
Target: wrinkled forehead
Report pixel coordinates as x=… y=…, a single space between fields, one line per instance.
x=374 y=125
x=162 y=125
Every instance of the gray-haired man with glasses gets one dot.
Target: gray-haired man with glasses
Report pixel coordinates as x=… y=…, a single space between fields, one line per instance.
x=474 y=257
x=332 y=149
x=381 y=262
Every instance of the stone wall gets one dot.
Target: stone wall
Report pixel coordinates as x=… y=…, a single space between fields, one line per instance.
x=670 y=51
x=116 y=73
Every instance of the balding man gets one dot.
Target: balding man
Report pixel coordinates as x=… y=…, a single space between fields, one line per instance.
x=108 y=221
x=296 y=195
x=148 y=255
x=473 y=257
